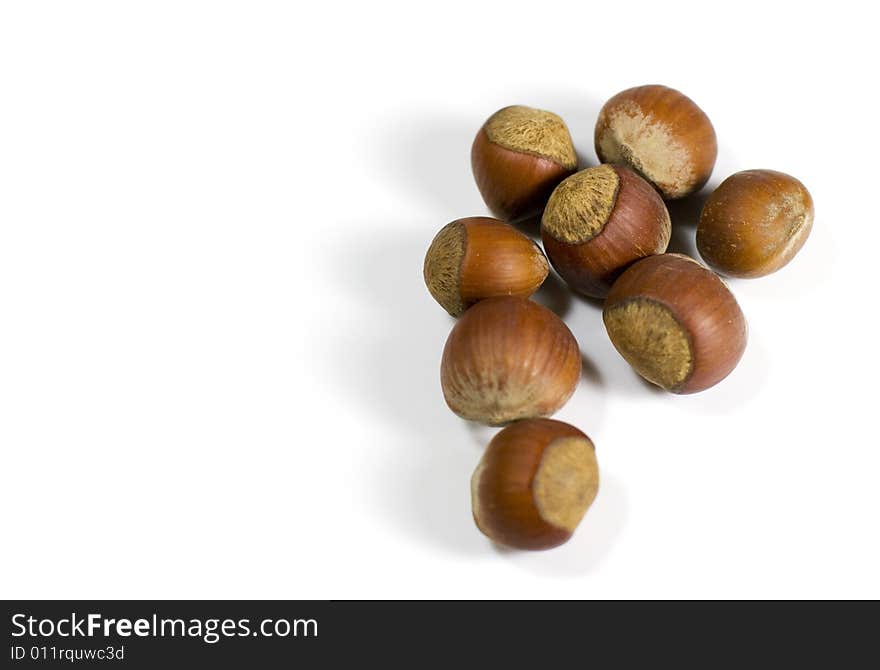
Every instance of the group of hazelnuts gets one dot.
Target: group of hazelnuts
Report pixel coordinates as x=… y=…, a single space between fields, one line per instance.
x=510 y=361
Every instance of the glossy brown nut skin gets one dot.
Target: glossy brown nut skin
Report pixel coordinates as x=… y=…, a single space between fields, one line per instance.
x=481 y=257
x=502 y=489
x=514 y=185
x=680 y=153
x=701 y=304
x=516 y=182
x=639 y=226
x=507 y=359
x=754 y=223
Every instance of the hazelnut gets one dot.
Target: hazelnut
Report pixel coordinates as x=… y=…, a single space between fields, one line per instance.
x=662 y=135
x=518 y=157
x=534 y=484
x=479 y=257
x=754 y=223
x=507 y=359
x=676 y=323
x=599 y=221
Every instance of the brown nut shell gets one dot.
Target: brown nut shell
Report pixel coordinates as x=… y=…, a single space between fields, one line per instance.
x=518 y=157
x=535 y=482
x=661 y=134
x=507 y=359
x=480 y=257
x=598 y=222
x=676 y=323
x=754 y=223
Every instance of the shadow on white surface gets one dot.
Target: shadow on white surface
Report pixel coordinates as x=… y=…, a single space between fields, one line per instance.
x=391 y=361
x=425 y=491
x=685 y=215
x=427 y=158
x=591 y=544
x=418 y=480
x=740 y=387
x=554 y=295
x=481 y=434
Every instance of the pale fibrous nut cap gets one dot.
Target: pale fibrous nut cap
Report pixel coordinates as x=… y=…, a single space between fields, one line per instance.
x=443 y=267
x=532 y=131
x=566 y=482
x=651 y=340
x=636 y=138
x=660 y=133
x=581 y=205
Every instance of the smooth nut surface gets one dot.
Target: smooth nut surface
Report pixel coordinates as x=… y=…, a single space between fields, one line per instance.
x=754 y=223
x=518 y=157
x=661 y=134
x=508 y=359
x=535 y=482
x=676 y=323
x=599 y=221
x=480 y=257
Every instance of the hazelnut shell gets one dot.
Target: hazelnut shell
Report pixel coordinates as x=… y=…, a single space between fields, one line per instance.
x=518 y=156
x=535 y=482
x=676 y=323
x=598 y=222
x=507 y=359
x=754 y=223
x=661 y=134
x=480 y=257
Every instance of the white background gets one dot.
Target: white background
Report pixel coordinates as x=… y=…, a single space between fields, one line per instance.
x=219 y=366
